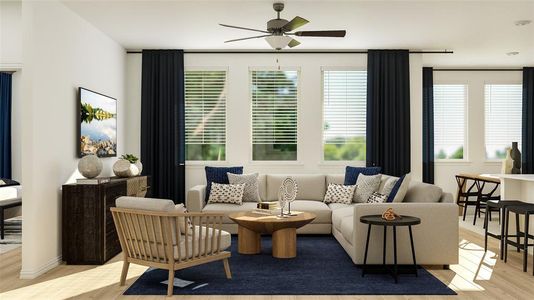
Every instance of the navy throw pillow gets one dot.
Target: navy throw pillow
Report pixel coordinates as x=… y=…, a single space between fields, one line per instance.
x=218 y=175
x=7 y=182
x=395 y=188
x=351 y=173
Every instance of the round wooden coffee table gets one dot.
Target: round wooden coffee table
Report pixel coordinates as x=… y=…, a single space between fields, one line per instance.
x=283 y=230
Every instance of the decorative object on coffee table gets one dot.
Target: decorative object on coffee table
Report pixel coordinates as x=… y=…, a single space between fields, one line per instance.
x=90 y=166
x=379 y=221
x=284 y=232
x=507 y=162
x=128 y=166
x=281 y=202
x=289 y=190
x=516 y=156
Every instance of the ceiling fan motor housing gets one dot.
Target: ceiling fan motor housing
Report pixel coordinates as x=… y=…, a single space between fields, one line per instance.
x=275 y=25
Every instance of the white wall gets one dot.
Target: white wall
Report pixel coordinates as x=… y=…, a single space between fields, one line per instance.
x=238 y=145
x=476 y=153
x=61 y=52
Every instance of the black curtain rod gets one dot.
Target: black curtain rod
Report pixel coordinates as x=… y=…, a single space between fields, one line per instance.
x=476 y=70
x=296 y=52
x=8 y=72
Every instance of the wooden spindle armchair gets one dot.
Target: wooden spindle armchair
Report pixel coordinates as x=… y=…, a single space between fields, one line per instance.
x=162 y=236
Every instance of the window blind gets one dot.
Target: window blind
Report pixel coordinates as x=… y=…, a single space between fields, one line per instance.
x=205 y=108
x=274 y=107
x=449 y=120
x=344 y=113
x=503 y=113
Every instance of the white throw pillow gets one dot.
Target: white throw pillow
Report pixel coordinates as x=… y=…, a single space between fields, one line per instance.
x=388 y=186
x=403 y=189
x=226 y=193
x=251 y=191
x=377 y=198
x=339 y=193
x=367 y=185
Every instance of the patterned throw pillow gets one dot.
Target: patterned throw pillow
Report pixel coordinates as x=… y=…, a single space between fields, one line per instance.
x=219 y=175
x=226 y=193
x=251 y=192
x=377 y=198
x=367 y=185
x=339 y=193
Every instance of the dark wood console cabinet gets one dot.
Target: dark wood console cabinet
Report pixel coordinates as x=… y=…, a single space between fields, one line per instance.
x=89 y=235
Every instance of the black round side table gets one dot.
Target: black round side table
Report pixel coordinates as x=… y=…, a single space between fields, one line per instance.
x=378 y=221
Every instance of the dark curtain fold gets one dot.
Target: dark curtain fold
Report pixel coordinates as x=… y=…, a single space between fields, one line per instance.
x=388 y=111
x=162 y=122
x=428 y=125
x=5 y=125
x=528 y=121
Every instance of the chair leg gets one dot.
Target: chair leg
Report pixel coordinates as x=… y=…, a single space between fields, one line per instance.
x=486 y=230
x=465 y=210
x=170 y=286
x=477 y=211
x=507 y=225
x=227 y=268
x=517 y=230
x=525 y=252
x=125 y=266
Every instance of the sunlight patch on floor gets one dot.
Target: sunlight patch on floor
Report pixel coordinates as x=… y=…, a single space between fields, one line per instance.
x=75 y=284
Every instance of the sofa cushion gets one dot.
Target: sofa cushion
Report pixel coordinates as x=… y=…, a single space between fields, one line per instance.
x=251 y=191
x=387 y=185
x=335 y=178
x=423 y=193
x=334 y=206
x=339 y=214
x=310 y=187
x=227 y=209
x=347 y=227
x=339 y=193
x=226 y=193
x=399 y=190
x=218 y=175
x=321 y=210
x=225 y=242
x=351 y=173
x=366 y=186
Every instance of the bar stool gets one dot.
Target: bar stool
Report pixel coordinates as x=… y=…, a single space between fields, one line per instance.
x=526 y=210
x=501 y=205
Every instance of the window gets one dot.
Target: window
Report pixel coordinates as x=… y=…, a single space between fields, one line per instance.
x=344 y=115
x=274 y=115
x=503 y=112
x=449 y=120
x=205 y=115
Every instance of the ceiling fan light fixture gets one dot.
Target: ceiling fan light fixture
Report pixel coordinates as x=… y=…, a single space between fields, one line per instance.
x=278 y=42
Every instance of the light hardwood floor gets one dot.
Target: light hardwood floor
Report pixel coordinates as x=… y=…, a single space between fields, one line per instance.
x=477 y=276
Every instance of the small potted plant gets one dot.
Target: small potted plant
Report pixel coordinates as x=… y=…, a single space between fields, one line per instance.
x=127 y=166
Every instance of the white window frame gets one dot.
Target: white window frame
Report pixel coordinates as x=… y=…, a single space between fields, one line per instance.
x=499 y=82
x=213 y=162
x=321 y=159
x=465 y=159
x=296 y=162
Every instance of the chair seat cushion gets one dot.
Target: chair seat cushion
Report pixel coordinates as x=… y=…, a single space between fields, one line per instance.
x=320 y=209
x=180 y=250
x=339 y=214
x=227 y=209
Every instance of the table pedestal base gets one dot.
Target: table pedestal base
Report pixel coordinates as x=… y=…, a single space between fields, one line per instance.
x=285 y=243
x=249 y=242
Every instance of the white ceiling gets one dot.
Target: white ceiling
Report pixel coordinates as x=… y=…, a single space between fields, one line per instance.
x=479 y=32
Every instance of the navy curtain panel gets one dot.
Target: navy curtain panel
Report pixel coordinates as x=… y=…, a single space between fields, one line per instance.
x=428 y=125
x=5 y=125
x=528 y=121
x=162 y=122
x=388 y=111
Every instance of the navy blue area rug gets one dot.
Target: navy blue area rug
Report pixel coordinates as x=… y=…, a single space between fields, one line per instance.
x=321 y=267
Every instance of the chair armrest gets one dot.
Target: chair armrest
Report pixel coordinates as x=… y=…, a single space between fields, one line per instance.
x=195 y=198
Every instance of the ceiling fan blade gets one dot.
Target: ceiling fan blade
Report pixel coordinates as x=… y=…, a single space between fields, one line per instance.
x=295 y=23
x=293 y=43
x=244 y=28
x=247 y=38
x=323 y=33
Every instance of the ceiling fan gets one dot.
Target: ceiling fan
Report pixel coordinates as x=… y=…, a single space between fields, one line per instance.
x=279 y=31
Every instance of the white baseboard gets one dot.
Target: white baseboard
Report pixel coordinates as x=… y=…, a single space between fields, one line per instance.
x=31 y=274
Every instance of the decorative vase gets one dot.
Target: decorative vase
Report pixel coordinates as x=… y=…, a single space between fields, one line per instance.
x=90 y=166
x=123 y=168
x=516 y=157
x=507 y=163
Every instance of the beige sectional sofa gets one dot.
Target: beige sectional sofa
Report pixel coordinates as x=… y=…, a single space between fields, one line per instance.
x=436 y=238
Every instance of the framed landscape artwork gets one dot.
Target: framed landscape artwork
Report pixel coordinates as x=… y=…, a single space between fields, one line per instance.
x=98 y=124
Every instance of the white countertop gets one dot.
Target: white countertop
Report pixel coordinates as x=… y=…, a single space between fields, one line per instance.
x=522 y=177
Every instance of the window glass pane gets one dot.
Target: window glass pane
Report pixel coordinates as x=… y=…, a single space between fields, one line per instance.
x=503 y=113
x=274 y=115
x=449 y=120
x=205 y=115
x=344 y=111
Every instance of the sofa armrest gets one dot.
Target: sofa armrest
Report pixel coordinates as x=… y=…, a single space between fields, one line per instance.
x=195 y=198
x=436 y=238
